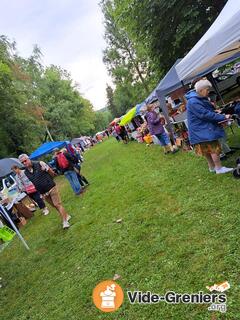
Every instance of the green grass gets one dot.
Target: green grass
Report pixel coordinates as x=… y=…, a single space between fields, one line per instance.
x=180 y=231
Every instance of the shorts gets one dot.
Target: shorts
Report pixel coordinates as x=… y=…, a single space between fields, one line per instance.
x=163 y=139
x=53 y=197
x=206 y=148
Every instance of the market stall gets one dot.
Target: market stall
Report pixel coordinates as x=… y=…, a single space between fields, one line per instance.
x=47 y=148
x=218 y=46
x=9 y=198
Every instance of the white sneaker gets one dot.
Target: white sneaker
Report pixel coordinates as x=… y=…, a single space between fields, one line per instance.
x=224 y=170
x=68 y=217
x=45 y=211
x=66 y=224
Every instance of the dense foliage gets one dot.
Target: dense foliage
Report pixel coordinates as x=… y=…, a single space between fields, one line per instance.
x=40 y=103
x=145 y=38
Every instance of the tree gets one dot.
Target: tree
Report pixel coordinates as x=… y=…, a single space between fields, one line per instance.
x=102 y=120
x=69 y=115
x=38 y=103
x=15 y=125
x=110 y=102
x=168 y=29
x=145 y=38
x=120 y=56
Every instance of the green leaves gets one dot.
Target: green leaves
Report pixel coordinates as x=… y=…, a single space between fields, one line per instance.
x=145 y=38
x=36 y=100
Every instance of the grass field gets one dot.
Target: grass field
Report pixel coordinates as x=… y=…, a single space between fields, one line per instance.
x=180 y=231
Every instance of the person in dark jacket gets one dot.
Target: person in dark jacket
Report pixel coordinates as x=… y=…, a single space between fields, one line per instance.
x=67 y=167
x=41 y=175
x=25 y=185
x=156 y=128
x=204 y=125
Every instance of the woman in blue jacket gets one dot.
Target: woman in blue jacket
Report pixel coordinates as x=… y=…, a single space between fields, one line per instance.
x=204 y=127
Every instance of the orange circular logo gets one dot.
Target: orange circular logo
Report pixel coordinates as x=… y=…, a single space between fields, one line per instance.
x=108 y=296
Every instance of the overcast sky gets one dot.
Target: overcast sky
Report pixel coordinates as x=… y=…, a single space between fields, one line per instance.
x=69 y=33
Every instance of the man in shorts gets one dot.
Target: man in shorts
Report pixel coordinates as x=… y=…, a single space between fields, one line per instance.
x=41 y=175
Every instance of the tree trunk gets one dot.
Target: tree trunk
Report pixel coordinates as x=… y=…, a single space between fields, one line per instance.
x=47 y=130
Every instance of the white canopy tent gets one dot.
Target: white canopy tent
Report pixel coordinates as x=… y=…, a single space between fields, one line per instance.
x=221 y=42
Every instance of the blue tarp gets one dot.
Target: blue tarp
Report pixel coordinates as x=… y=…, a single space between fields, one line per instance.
x=46 y=148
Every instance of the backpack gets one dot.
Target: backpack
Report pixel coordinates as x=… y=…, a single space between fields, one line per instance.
x=62 y=161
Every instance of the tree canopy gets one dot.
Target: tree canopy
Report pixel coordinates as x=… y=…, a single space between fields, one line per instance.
x=39 y=103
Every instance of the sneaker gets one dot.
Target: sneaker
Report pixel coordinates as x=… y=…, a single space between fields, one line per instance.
x=68 y=217
x=45 y=211
x=66 y=224
x=224 y=170
x=212 y=170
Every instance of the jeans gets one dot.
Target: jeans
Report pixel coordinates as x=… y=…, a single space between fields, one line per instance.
x=163 y=139
x=73 y=180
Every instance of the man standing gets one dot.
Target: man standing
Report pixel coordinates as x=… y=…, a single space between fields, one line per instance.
x=41 y=175
x=65 y=163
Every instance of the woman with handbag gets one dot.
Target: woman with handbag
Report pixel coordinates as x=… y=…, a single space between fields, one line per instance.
x=25 y=185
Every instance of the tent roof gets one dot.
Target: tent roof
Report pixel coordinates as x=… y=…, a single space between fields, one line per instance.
x=46 y=148
x=77 y=140
x=170 y=82
x=151 y=98
x=221 y=42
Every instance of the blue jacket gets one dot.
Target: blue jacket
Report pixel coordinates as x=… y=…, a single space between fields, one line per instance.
x=202 y=119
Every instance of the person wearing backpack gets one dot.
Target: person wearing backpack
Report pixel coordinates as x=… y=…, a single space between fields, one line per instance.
x=65 y=163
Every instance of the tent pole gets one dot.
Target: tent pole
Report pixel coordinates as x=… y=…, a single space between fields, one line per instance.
x=215 y=86
x=14 y=227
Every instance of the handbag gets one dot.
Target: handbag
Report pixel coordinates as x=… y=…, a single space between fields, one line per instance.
x=30 y=188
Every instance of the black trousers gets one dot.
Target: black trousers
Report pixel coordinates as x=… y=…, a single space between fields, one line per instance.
x=82 y=180
x=36 y=196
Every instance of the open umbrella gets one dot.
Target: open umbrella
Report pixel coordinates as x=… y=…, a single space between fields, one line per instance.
x=6 y=164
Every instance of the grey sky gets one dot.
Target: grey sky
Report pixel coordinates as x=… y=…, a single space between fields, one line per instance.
x=69 y=33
